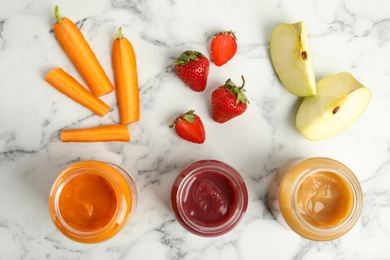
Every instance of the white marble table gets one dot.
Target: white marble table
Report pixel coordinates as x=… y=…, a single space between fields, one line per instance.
x=349 y=35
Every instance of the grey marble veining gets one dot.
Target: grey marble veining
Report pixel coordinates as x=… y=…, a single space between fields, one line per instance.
x=347 y=35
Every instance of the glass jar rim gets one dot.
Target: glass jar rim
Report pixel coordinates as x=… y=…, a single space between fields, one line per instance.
x=234 y=178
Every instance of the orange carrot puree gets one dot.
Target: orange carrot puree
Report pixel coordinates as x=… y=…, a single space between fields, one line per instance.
x=87 y=202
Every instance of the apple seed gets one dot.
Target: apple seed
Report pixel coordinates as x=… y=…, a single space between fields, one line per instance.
x=336 y=109
x=304 y=55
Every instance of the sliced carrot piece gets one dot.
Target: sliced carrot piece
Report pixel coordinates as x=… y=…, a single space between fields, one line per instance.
x=81 y=54
x=105 y=133
x=126 y=78
x=69 y=86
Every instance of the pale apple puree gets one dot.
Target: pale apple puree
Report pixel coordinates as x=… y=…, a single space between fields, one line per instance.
x=318 y=198
x=324 y=199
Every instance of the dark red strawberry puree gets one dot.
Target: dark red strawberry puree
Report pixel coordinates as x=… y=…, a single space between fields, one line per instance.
x=209 y=198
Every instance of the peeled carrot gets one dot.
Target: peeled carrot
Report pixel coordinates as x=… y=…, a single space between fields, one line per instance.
x=81 y=54
x=97 y=134
x=67 y=85
x=126 y=78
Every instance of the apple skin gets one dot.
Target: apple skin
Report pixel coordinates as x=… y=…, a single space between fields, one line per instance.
x=292 y=59
x=340 y=100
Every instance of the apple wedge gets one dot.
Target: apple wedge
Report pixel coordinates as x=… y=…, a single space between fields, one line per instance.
x=340 y=100
x=292 y=59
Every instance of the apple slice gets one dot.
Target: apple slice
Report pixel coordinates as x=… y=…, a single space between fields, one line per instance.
x=292 y=60
x=341 y=99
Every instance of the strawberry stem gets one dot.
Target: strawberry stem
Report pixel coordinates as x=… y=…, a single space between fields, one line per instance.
x=237 y=91
x=173 y=123
x=243 y=82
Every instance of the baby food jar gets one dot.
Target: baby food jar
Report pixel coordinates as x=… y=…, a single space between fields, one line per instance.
x=90 y=201
x=209 y=198
x=318 y=198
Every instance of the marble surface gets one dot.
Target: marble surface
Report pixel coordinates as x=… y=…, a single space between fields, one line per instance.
x=348 y=35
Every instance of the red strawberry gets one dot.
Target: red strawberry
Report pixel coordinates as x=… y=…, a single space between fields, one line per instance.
x=228 y=101
x=189 y=127
x=192 y=68
x=223 y=47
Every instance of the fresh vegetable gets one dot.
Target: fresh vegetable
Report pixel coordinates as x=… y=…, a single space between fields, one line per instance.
x=190 y=127
x=228 y=101
x=192 y=68
x=97 y=134
x=223 y=47
x=81 y=54
x=67 y=85
x=126 y=79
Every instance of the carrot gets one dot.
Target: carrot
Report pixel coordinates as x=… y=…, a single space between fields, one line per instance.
x=67 y=85
x=81 y=54
x=97 y=134
x=126 y=79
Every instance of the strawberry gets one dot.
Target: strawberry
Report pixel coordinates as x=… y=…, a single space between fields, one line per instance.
x=223 y=47
x=189 y=127
x=192 y=68
x=228 y=101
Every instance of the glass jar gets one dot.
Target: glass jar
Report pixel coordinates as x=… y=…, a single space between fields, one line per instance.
x=209 y=198
x=318 y=198
x=90 y=201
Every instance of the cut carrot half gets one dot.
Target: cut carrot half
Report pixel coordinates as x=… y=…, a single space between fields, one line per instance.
x=126 y=79
x=97 y=134
x=69 y=86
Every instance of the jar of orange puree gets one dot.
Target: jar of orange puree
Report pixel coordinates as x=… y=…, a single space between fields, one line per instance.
x=90 y=201
x=318 y=198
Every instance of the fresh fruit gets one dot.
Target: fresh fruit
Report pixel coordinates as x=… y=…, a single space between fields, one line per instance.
x=223 y=47
x=190 y=127
x=192 y=67
x=341 y=99
x=228 y=101
x=292 y=59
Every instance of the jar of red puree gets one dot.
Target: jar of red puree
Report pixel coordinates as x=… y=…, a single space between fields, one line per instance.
x=209 y=198
x=90 y=201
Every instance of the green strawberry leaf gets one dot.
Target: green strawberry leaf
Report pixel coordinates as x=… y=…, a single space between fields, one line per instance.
x=228 y=33
x=189 y=116
x=186 y=56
